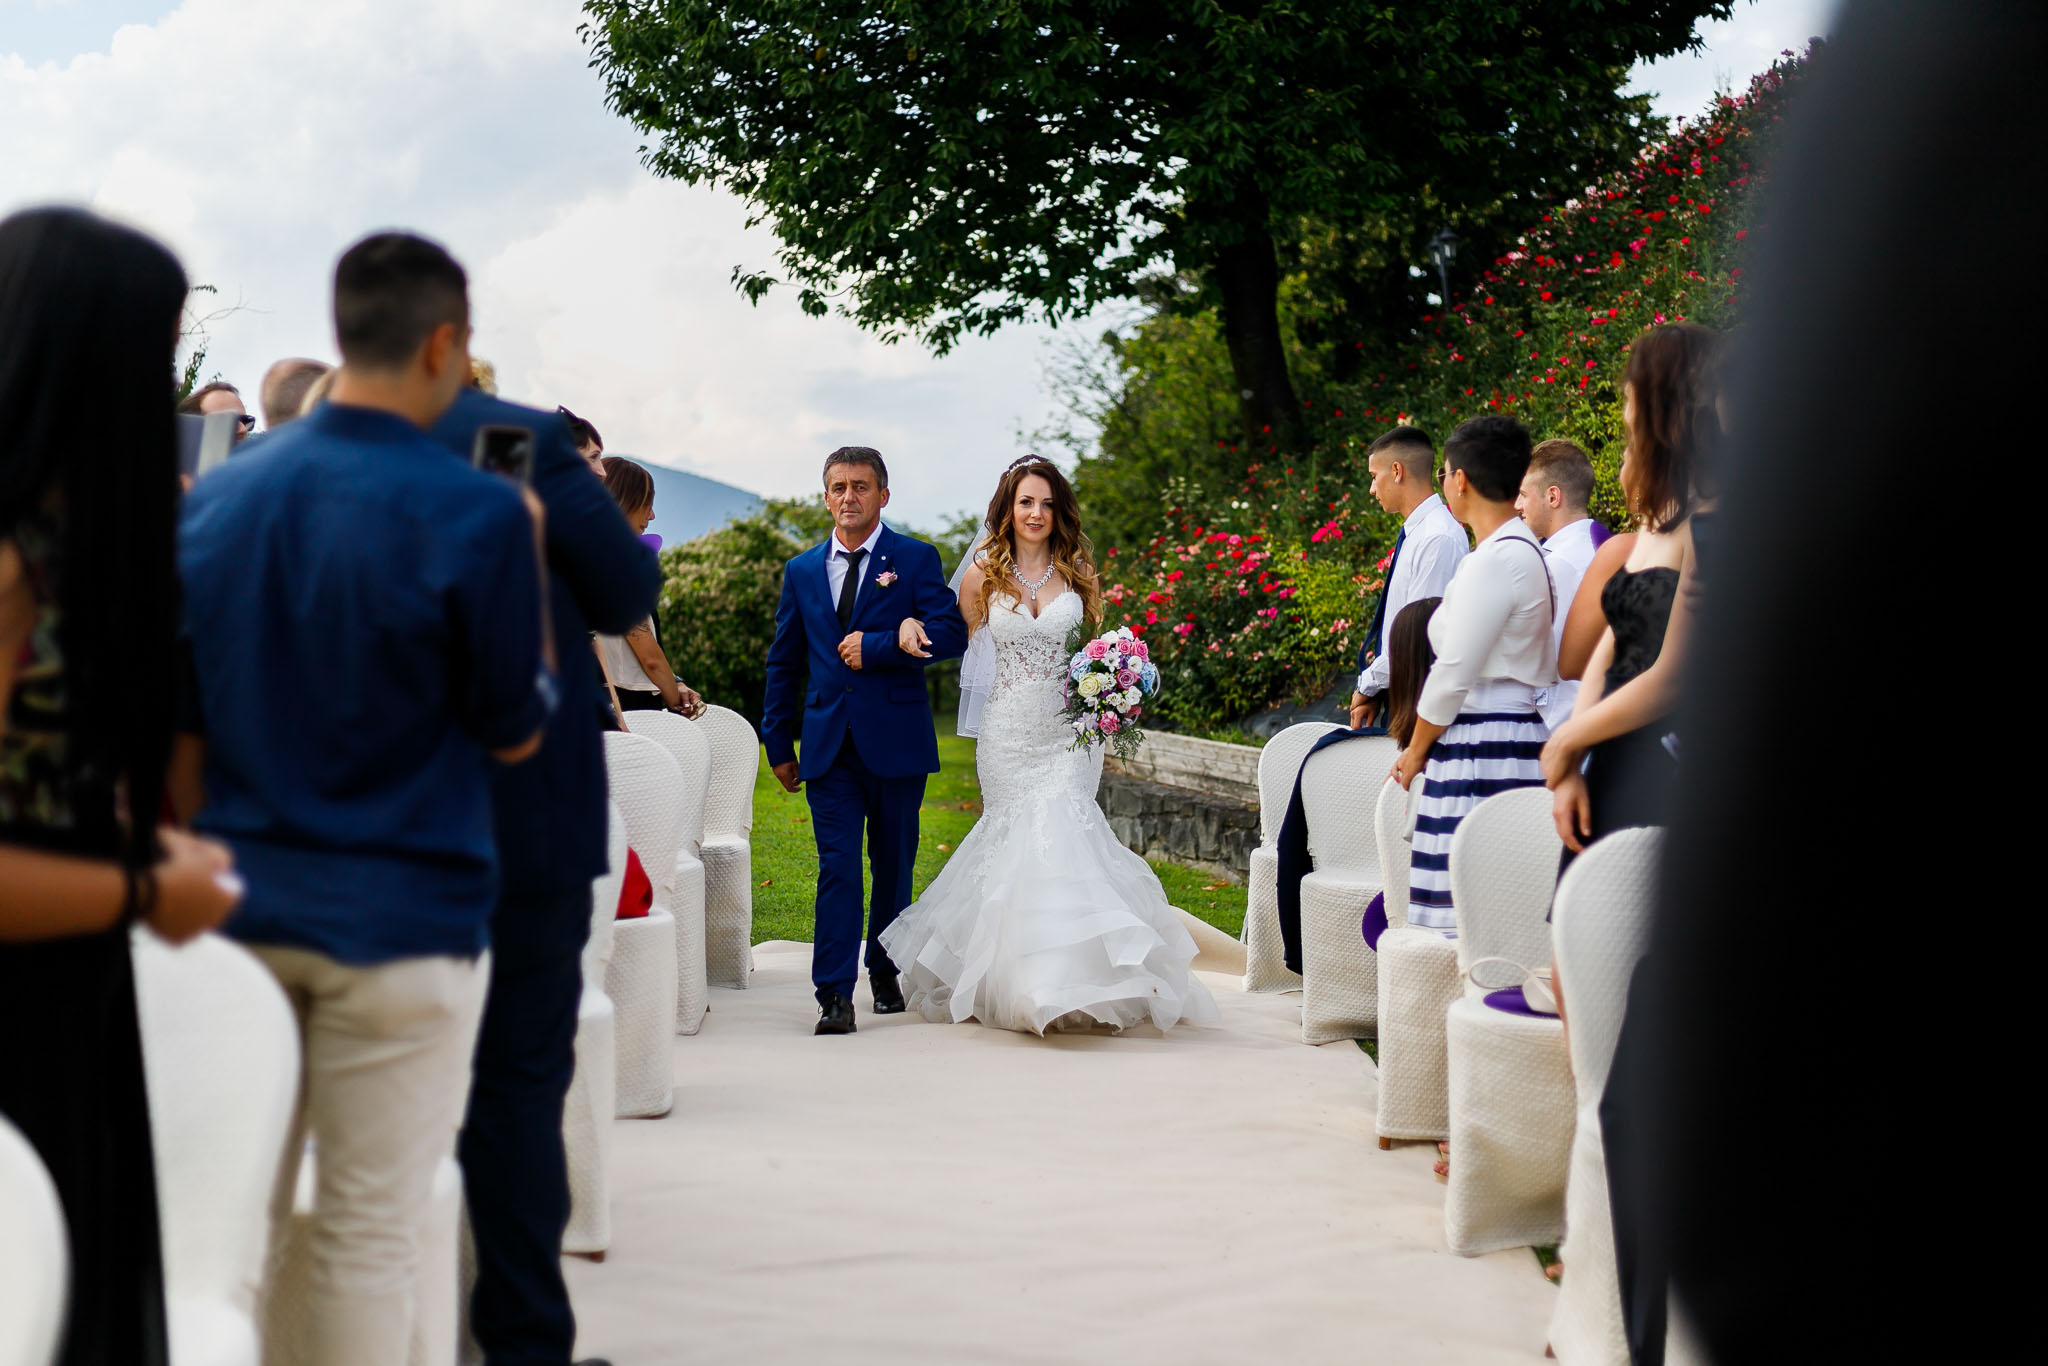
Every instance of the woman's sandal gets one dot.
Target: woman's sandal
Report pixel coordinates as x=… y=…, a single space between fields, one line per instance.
x=1443 y=1162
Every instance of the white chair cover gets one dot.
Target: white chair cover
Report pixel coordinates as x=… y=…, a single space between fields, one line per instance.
x=1265 y=966
x=649 y=790
x=220 y=1052
x=1503 y=874
x=1340 y=790
x=1601 y=930
x=728 y=851
x=1418 y=982
x=1510 y=1083
x=681 y=893
x=592 y=1102
x=35 y=1255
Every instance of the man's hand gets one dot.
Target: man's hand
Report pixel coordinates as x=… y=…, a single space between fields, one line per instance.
x=1364 y=710
x=911 y=639
x=786 y=774
x=849 y=650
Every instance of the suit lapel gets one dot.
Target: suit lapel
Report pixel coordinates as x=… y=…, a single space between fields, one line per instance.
x=877 y=564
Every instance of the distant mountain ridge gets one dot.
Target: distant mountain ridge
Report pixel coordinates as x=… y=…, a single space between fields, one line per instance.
x=687 y=505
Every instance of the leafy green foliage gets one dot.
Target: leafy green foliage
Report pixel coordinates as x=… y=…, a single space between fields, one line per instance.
x=1255 y=589
x=935 y=168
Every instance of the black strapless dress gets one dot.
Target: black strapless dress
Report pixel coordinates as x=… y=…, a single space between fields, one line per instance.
x=1630 y=779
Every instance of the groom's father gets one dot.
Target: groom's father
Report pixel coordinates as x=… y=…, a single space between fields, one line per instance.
x=838 y=683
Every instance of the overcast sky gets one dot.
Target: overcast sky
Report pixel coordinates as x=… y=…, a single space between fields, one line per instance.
x=260 y=137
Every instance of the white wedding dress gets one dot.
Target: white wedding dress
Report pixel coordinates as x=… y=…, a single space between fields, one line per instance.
x=1043 y=920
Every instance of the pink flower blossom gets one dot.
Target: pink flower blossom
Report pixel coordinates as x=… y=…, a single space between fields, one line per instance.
x=1095 y=649
x=1184 y=630
x=1111 y=723
x=1126 y=678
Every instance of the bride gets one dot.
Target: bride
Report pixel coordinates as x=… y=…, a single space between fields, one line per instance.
x=1042 y=920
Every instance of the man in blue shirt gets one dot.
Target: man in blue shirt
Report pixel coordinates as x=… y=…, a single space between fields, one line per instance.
x=552 y=816
x=368 y=642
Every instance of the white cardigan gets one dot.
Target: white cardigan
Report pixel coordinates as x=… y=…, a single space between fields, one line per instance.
x=1492 y=628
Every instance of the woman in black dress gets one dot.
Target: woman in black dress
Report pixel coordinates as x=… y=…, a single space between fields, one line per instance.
x=1614 y=764
x=88 y=488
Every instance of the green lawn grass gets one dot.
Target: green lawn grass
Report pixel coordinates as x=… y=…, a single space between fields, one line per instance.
x=786 y=859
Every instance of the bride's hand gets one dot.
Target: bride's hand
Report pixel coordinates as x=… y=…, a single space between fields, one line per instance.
x=911 y=639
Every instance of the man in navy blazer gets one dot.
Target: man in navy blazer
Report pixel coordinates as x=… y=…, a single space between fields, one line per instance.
x=552 y=814
x=841 y=681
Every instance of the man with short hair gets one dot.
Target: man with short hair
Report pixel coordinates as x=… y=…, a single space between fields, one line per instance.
x=552 y=819
x=368 y=641
x=1426 y=553
x=285 y=385
x=589 y=444
x=839 y=680
x=219 y=397
x=1553 y=502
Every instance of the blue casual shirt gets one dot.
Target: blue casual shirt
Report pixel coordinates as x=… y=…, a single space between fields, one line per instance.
x=363 y=610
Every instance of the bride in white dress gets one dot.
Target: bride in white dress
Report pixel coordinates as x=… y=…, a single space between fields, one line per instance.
x=1042 y=920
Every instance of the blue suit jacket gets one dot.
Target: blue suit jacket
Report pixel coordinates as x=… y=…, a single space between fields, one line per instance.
x=814 y=697
x=550 y=810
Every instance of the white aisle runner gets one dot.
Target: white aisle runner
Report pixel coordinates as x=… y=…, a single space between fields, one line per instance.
x=949 y=1194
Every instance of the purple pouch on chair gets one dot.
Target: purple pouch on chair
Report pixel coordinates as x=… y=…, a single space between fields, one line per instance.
x=1375 y=921
x=1514 y=1003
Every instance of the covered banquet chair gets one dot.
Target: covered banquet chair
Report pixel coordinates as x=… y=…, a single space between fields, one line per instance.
x=35 y=1255
x=592 y=1102
x=1418 y=981
x=1601 y=929
x=1340 y=791
x=727 y=850
x=1510 y=1085
x=648 y=788
x=1265 y=965
x=679 y=880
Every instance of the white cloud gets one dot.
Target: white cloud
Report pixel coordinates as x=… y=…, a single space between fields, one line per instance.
x=259 y=139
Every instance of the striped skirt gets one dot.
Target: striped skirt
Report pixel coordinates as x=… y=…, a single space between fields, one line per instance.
x=1480 y=754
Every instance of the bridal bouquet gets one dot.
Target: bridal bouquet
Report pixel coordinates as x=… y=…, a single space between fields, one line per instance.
x=1108 y=679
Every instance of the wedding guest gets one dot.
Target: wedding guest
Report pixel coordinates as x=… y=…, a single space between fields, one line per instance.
x=589 y=444
x=88 y=311
x=355 y=551
x=1427 y=551
x=482 y=375
x=551 y=817
x=1553 y=501
x=316 y=392
x=284 y=388
x=219 y=397
x=1477 y=731
x=1583 y=622
x=1618 y=738
x=638 y=669
x=1409 y=657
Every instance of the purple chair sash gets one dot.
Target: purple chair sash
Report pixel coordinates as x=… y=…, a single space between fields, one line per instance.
x=1512 y=1002
x=1375 y=923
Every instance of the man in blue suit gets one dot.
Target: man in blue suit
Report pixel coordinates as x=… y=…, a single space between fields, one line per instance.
x=841 y=681
x=551 y=815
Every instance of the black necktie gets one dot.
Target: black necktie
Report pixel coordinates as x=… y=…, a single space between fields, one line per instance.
x=1371 y=644
x=847 y=589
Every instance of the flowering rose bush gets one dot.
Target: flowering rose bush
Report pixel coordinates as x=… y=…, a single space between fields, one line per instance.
x=1256 y=592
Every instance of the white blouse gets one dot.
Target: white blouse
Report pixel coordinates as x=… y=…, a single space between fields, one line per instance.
x=1492 y=632
x=624 y=666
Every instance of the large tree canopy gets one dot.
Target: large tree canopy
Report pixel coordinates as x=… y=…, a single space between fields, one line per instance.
x=940 y=167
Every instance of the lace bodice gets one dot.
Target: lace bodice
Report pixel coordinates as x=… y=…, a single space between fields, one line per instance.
x=1026 y=750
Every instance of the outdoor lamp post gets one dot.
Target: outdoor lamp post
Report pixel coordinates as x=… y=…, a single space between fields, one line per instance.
x=1443 y=249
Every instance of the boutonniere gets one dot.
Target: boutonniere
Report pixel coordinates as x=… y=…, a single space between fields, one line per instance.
x=885 y=578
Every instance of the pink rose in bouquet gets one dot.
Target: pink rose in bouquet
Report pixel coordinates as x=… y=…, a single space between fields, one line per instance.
x=1126 y=678
x=1096 y=649
x=1111 y=723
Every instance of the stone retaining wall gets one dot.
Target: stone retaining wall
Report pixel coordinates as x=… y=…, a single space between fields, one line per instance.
x=1204 y=830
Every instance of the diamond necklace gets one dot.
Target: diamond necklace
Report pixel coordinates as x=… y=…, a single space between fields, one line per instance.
x=1043 y=580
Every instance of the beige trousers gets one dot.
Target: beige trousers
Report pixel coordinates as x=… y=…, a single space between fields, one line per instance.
x=384 y=1085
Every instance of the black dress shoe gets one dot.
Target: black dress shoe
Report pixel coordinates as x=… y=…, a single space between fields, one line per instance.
x=888 y=993
x=593 y=1361
x=835 y=1015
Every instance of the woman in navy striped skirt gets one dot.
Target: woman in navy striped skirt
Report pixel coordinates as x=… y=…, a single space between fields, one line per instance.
x=1476 y=728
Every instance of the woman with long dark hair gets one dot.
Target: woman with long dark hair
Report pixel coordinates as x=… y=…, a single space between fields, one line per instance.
x=635 y=663
x=1610 y=766
x=88 y=490
x=1042 y=920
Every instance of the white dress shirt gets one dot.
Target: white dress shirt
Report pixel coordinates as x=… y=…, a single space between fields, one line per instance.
x=1433 y=543
x=836 y=562
x=1491 y=634
x=1568 y=550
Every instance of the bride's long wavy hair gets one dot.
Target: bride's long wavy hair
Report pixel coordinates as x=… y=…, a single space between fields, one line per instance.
x=1072 y=555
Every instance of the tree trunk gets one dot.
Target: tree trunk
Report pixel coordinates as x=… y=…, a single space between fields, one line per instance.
x=1248 y=278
